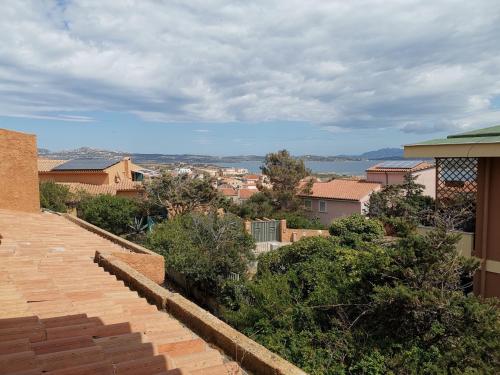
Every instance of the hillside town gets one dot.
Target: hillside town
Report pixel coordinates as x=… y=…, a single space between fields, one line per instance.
x=249 y=188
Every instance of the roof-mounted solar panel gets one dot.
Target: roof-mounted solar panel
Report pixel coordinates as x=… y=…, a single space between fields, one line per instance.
x=400 y=164
x=85 y=164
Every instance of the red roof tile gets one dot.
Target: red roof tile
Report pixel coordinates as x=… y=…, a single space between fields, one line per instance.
x=228 y=192
x=63 y=313
x=246 y=193
x=46 y=165
x=342 y=189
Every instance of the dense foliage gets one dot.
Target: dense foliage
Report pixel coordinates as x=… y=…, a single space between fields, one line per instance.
x=285 y=173
x=402 y=207
x=205 y=248
x=355 y=230
x=298 y=220
x=112 y=213
x=54 y=196
x=181 y=194
x=374 y=309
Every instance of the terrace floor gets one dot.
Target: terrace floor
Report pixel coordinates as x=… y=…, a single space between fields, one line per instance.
x=60 y=313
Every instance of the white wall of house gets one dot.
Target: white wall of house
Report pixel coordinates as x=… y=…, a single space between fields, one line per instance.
x=426 y=177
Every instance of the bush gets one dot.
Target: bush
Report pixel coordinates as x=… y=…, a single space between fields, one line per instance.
x=112 y=213
x=296 y=220
x=258 y=205
x=394 y=309
x=54 y=196
x=205 y=248
x=356 y=229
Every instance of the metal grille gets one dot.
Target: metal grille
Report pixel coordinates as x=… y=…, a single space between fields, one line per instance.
x=455 y=177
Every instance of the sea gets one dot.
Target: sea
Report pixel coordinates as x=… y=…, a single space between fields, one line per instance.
x=342 y=167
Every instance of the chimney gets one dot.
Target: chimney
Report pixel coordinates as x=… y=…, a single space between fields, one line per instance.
x=126 y=164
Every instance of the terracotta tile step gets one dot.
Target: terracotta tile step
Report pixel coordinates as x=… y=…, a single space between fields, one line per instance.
x=70 y=358
x=97 y=368
x=59 y=345
x=33 y=333
x=144 y=366
x=129 y=352
x=85 y=329
x=207 y=358
x=15 y=346
x=15 y=322
x=180 y=348
x=16 y=362
x=230 y=368
x=120 y=340
x=61 y=321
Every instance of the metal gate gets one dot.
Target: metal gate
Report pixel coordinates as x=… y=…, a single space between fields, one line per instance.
x=263 y=231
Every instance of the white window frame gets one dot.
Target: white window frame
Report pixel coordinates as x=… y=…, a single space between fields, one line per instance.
x=308 y=204
x=319 y=206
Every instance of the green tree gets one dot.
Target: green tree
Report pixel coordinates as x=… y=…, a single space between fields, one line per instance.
x=259 y=205
x=181 y=194
x=112 y=213
x=54 y=196
x=206 y=248
x=379 y=309
x=401 y=207
x=356 y=229
x=285 y=173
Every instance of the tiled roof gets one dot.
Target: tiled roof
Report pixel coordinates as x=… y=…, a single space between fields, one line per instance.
x=246 y=193
x=45 y=165
x=76 y=187
x=128 y=185
x=228 y=192
x=421 y=166
x=63 y=314
x=252 y=177
x=342 y=189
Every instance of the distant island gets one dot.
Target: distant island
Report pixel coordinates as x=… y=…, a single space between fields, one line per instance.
x=88 y=153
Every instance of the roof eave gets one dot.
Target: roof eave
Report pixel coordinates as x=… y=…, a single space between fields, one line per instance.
x=452 y=150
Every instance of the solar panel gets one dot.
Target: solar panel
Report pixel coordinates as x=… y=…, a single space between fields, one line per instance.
x=397 y=164
x=85 y=164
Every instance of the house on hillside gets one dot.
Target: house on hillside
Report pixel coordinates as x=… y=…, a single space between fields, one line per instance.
x=393 y=173
x=468 y=165
x=337 y=198
x=94 y=176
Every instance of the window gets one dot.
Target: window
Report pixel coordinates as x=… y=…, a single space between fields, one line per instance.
x=322 y=206
x=308 y=204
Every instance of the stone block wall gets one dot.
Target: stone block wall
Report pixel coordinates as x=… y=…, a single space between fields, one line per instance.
x=18 y=172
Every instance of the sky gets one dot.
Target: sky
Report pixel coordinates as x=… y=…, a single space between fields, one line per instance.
x=248 y=77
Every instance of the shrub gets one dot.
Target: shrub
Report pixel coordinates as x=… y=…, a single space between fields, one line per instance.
x=205 y=248
x=296 y=220
x=356 y=229
x=54 y=196
x=393 y=309
x=112 y=213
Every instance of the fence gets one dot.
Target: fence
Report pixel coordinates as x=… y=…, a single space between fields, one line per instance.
x=465 y=244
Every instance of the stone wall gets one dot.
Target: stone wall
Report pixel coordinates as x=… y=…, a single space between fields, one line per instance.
x=18 y=172
x=293 y=235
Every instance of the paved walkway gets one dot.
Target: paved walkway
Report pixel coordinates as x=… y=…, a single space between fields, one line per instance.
x=61 y=314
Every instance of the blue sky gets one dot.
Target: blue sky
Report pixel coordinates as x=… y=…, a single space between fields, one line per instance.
x=123 y=132
x=222 y=77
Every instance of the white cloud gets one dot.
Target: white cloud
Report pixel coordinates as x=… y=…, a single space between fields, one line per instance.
x=372 y=64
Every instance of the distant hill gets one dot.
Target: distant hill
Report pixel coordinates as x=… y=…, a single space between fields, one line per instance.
x=383 y=153
x=91 y=153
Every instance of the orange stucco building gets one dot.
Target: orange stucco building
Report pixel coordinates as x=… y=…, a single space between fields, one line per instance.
x=18 y=172
x=94 y=176
x=470 y=162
